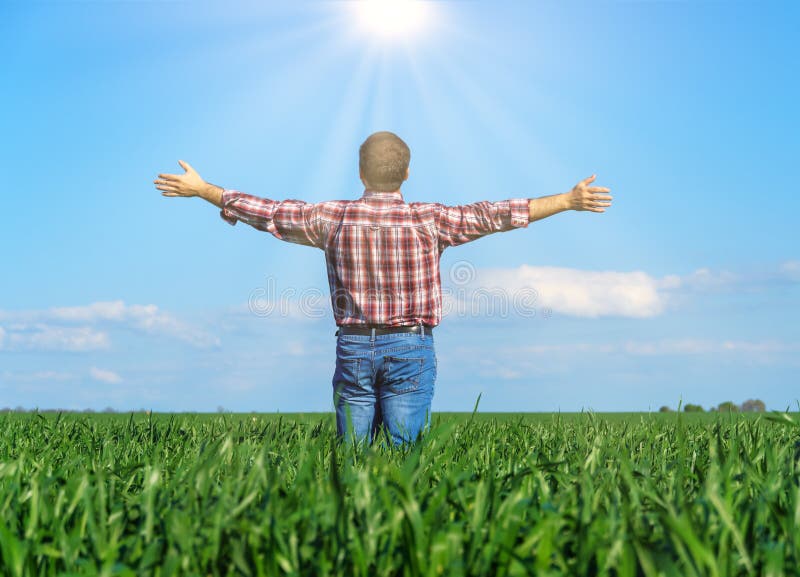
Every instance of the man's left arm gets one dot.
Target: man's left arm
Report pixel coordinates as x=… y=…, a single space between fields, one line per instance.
x=581 y=197
x=461 y=224
x=464 y=223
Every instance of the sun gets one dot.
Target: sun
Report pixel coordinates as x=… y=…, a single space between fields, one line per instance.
x=392 y=19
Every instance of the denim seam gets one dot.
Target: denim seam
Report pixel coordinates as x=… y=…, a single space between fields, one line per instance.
x=406 y=348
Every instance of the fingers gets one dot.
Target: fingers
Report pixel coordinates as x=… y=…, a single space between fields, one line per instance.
x=185 y=165
x=594 y=200
x=588 y=180
x=170 y=184
x=167 y=186
x=169 y=190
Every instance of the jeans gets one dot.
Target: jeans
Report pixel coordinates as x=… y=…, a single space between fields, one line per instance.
x=384 y=381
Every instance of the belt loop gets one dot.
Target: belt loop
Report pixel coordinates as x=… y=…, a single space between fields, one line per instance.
x=422 y=329
x=372 y=335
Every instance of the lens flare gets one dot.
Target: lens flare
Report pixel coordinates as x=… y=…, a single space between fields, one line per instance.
x=392 y=19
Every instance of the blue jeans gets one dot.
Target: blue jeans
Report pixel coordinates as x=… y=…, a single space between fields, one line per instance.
x=384 y=380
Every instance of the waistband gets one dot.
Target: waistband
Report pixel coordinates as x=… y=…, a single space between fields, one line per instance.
x=384 y=330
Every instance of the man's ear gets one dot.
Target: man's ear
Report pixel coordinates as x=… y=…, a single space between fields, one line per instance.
x=406 y=177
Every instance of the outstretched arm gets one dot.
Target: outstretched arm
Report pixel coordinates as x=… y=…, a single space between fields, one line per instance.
x=290 y=220
x=188 y=185
x=464 y=223
x=581 y=197
x=460 y=224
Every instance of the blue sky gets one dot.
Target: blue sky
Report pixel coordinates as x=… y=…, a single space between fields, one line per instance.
x=687 y=288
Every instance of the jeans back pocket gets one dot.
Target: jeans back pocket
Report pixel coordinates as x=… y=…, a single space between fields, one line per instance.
x=402 y=374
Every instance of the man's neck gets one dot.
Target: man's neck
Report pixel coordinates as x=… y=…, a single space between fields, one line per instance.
x=369 y=193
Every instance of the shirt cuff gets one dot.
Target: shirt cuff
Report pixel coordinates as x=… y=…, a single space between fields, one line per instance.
x=228 y=196
x=520 y=212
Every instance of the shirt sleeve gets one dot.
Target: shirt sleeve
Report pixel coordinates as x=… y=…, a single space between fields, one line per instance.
x=459 y=224
x=291 y=220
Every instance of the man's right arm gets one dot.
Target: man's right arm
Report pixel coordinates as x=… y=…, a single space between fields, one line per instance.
x=212 y=193
x=290 y=220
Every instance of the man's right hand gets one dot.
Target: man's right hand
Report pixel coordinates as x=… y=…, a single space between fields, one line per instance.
x=585 y=197
x=188 y=185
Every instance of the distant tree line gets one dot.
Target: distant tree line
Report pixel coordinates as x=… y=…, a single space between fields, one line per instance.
x=749 y=406
x=20 y=409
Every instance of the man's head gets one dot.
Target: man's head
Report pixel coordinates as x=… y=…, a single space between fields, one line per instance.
x=383 y=161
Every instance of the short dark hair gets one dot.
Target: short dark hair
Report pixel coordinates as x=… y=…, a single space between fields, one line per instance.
x=383 y=160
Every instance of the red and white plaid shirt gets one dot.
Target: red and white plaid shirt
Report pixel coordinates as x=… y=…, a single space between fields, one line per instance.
x=382 y=253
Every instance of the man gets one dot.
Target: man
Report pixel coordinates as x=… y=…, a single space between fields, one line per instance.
x=382 y=257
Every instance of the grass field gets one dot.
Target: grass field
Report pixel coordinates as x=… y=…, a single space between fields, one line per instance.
x=528 y=494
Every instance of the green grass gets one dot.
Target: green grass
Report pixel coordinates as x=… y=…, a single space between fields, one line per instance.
x=511 y=494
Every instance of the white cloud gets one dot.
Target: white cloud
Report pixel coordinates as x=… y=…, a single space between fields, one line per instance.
x=295 y=348
x=167 y=325
x=531 y=290
x=791 y=270
x=105 y=376
x=683 y=346
x=45 y=337
x=147 y=318
x=570 y=348
x=506 y=374
x=98 y=311
x=535 y=290
x=35 y=376
x=578 y=292
x=307 y=305
x=144 y=317
x=706 y=280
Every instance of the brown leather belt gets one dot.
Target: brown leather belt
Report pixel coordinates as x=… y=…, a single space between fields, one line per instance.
x=383 y=330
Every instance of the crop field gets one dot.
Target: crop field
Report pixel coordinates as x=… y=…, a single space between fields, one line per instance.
x=483 y=494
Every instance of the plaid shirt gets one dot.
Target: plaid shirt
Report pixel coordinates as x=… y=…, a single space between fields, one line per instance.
x=382 y=253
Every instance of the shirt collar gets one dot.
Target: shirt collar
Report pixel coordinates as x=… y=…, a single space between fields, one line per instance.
x=392 y=195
